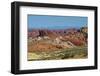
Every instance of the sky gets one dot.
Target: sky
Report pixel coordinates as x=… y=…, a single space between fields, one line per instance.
x=56 y=22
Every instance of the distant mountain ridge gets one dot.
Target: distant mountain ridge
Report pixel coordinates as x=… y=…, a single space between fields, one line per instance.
x=45 y=32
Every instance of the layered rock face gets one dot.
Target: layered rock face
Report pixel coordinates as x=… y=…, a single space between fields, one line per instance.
x=76 y=36
x=45 y=32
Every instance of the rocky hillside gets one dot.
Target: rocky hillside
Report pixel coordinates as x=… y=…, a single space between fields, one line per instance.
x=76 y=36
x=57 y=44
x=45 y=32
